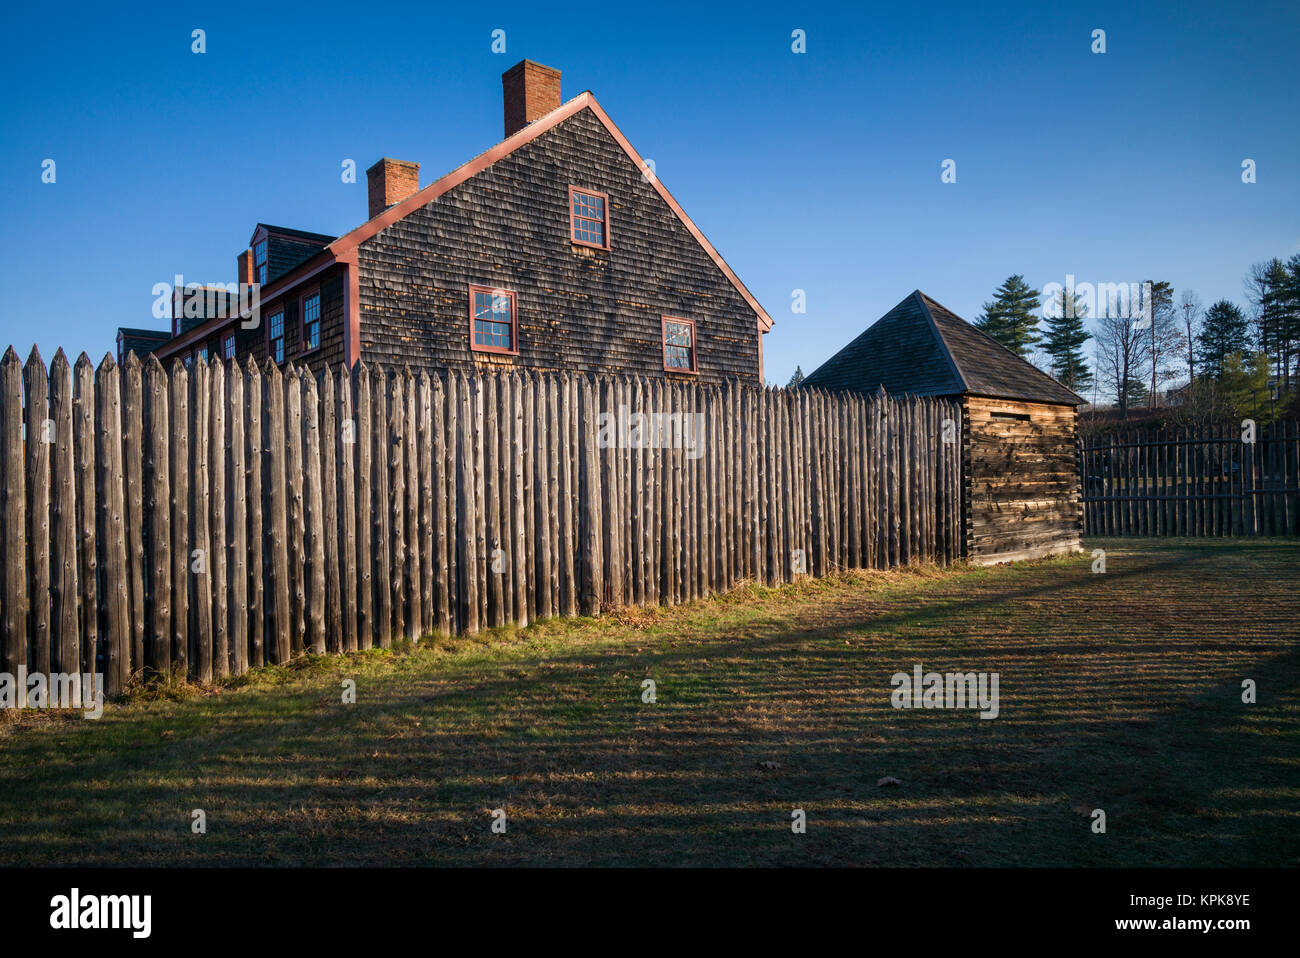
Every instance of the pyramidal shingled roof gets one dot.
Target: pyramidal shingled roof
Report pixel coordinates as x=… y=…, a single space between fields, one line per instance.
x=921 y=348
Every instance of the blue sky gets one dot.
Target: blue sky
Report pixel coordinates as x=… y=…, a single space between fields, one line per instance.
x=817 y=171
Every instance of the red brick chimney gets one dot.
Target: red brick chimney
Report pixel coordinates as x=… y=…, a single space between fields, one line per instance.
x=531 y=91
x=391 y=181
x=245 y=266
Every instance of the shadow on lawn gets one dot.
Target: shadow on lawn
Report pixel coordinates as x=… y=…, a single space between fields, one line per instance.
x=1119 y=692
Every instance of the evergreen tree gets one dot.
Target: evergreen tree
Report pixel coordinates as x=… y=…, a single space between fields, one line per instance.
x=1135 y=393
x=1275 y=321
x=1012 y=317
x=796 y=379
x=1064 y=341
x=1244 y=384
x=1223 y=332
x=1289 y=307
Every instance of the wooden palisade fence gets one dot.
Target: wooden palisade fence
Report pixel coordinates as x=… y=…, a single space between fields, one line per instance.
x=209 y=520
x=1193 y=482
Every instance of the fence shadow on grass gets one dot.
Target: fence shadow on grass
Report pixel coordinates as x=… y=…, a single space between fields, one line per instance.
x=1102 y=707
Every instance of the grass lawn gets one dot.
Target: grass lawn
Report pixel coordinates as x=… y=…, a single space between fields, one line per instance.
x=1119 y=691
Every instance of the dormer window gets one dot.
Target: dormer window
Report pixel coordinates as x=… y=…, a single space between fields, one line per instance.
x=259 y=261
x=588 y=217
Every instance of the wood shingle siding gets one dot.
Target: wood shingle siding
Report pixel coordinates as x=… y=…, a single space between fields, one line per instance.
x=284 y=253
x=578 y=307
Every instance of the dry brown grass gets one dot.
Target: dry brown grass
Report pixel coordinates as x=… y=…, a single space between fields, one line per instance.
x=1118 y=691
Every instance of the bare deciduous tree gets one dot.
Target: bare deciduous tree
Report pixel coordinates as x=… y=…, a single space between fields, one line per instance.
x=1189 y=304
x=1123 y=351
x=1164 y=338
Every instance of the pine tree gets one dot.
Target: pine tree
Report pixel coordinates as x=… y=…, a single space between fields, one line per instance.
x=1275 y=322
x=1012 y=317
x=1135 y=393
x=1064 y=341
x=796 y=379
x=1223 y=333
x=1286 y=304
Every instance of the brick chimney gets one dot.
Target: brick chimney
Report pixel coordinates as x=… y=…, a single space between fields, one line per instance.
x=245 y=266
x=531 y=91
x=391 y=181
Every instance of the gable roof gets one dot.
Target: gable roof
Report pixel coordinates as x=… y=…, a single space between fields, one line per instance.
x=583 y=101
x=922 y=348
x=148 y=337
x=319 y=239
x=343 y=250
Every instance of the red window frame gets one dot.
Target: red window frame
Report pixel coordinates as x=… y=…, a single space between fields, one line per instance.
x=695 y=345
x=494 y=291
x=303 y=348
x=575 y=218
x=270 y=351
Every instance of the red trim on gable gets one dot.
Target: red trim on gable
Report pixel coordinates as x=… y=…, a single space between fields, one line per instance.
x=764 y=320
x=344 y=249
x=348 y=242
x=351 y=309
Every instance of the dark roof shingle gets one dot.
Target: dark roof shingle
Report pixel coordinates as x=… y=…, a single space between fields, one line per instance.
x=921 y=348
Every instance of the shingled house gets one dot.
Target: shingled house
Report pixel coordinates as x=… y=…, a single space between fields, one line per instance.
x=142 y=342
x=1019 y=464
x=558 y=248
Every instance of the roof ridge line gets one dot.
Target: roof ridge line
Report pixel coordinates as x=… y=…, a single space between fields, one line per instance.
x=1009 y=352
x=347 y=243
x=943 y=342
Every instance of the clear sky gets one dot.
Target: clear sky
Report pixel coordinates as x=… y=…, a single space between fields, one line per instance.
x=817 y=171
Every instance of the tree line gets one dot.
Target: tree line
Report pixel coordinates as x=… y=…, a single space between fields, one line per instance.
x=1209 y=362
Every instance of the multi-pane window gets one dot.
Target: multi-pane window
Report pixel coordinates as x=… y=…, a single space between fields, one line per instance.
x=275 y=336
x=493 y=327
x=259 y=261
x=228 y=346
x=201 y=354
x=679 y=345
x=589 y=217
x=310 y=322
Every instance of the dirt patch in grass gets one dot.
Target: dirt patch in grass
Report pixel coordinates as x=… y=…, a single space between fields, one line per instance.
x=1119 y=692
